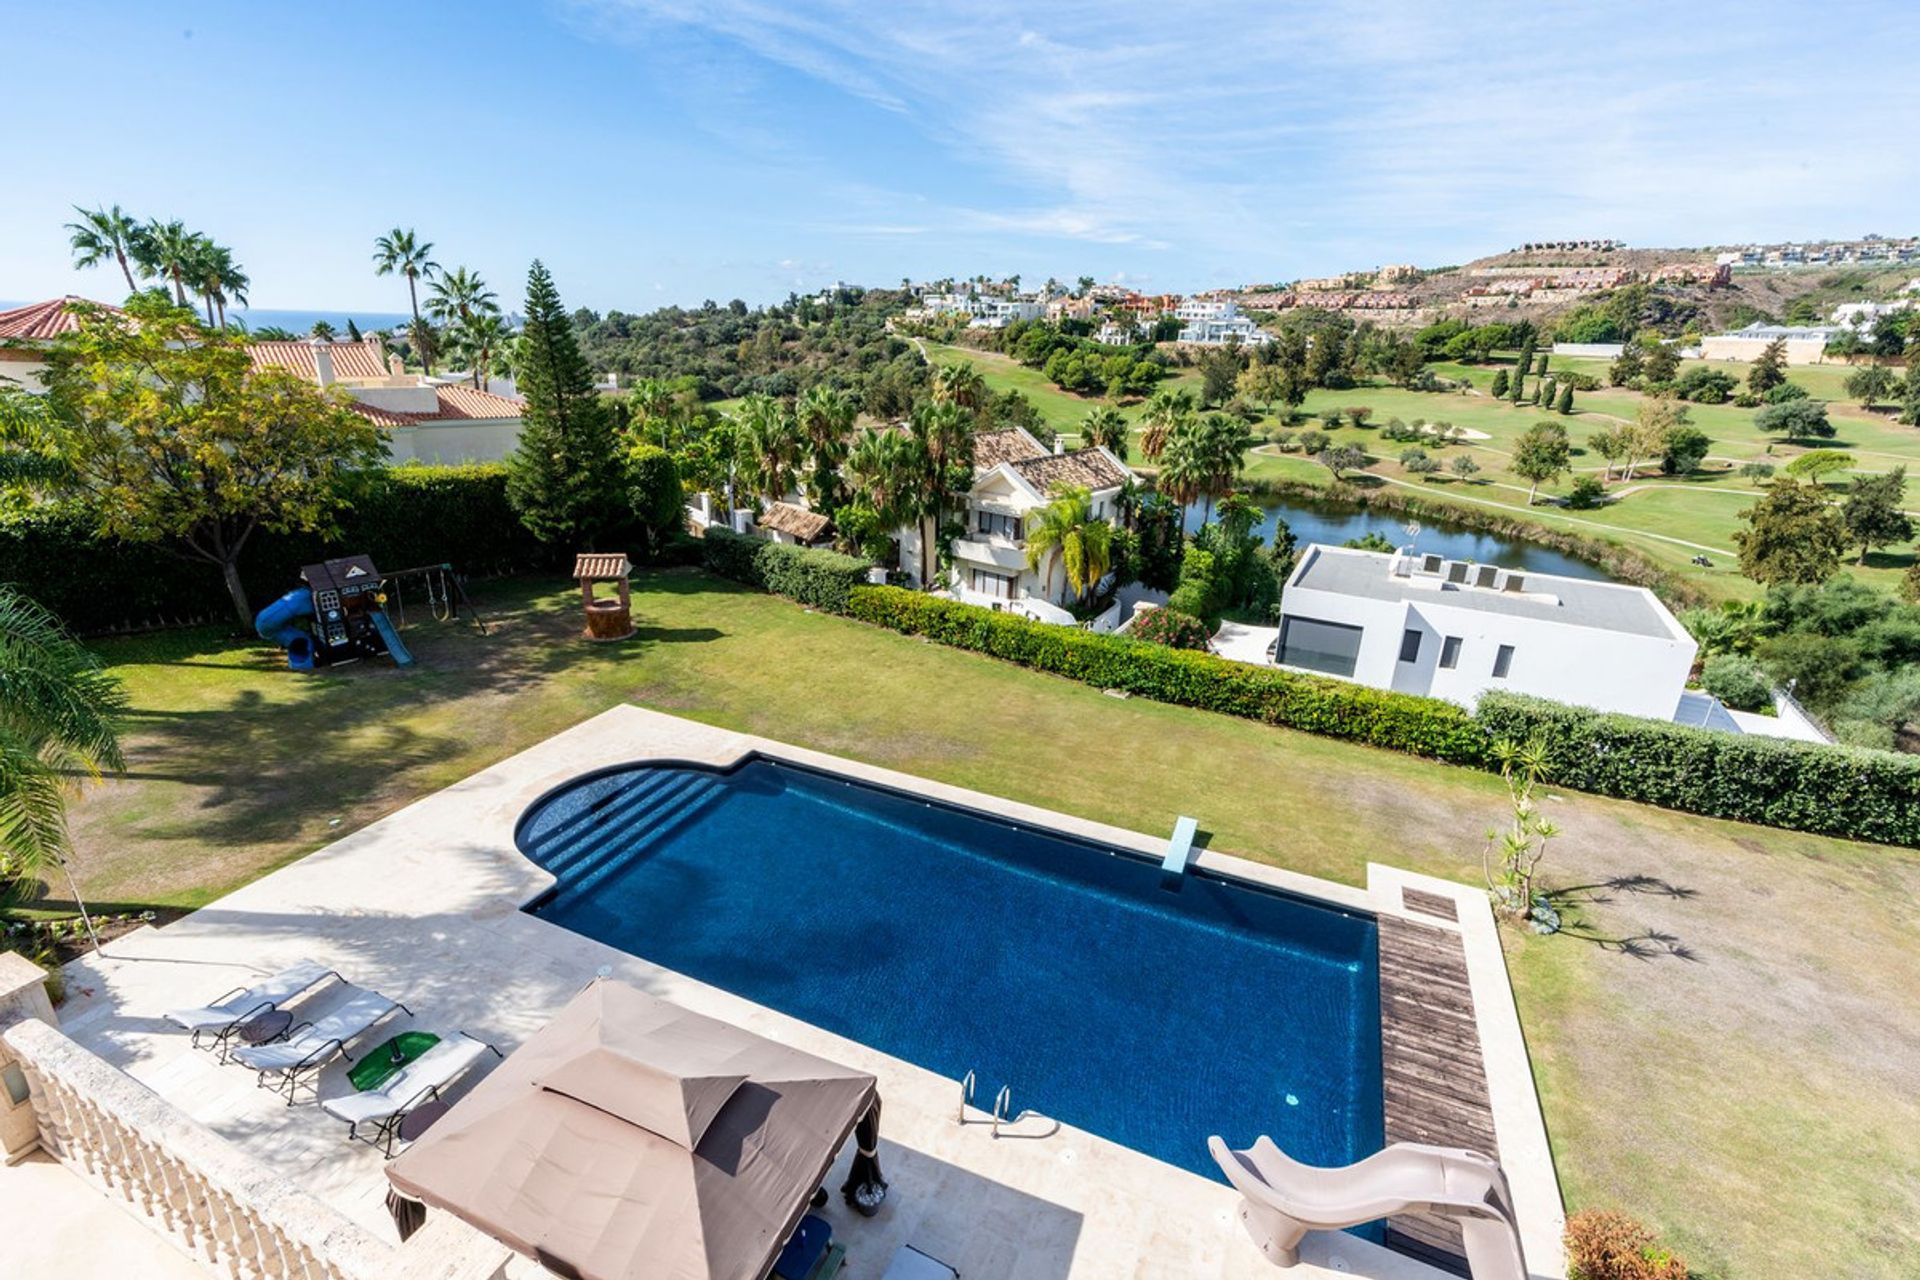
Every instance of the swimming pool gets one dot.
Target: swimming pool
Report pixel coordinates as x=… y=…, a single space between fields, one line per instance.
x=960 y=942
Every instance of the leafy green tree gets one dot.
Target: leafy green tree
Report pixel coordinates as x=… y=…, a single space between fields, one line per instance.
x=1563 y=403
x=1463 y=466
x=162 y=431
x=1873 y=511
x=1611 y=445
x=1769 y=368
x=1498 y=389
x=1685 y=449
x=1066 y=530
x=1662 y=363
x=1541 y=454
x=1627 y=366
x=106 y=234
x=60 y=724
x=655 y=495
x=402 y=252
x=1869 y=383
x=1793 y=534
x=565 y=477
x=1219 y=371
x=1795 y=420
x=1342 y=458
x=1817 y=464
x=1737 y=681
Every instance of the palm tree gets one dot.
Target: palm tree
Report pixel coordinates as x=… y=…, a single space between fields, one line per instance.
x=425 y=341
x=960 y=384
x=221 y=280
x=401 y=251
x=825 y=416
x=1104 y=426
x=650 y=404
x=771 y=441
x=1066 y=529
x=878 y=468
x=1167 y=410
x=59 y=721
x=169 y=250
x=477 y=339
x=944 y=433
x=459 y=294
x=322 y=329
x=105 y=233
x=1204 y=458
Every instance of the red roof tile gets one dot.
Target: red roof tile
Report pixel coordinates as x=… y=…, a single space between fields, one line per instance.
x=362 y=359
x=43 y=321
x=457 y=404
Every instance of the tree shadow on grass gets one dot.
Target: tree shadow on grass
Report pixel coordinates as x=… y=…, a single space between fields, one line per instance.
x=1574 y=902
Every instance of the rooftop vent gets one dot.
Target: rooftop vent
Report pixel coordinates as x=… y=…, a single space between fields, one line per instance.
x=1516 y=583
x=1485 y=575
x=1431 y=563
x=1457 y=573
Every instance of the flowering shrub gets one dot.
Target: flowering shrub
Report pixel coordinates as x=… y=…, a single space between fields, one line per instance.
x=1172 y=628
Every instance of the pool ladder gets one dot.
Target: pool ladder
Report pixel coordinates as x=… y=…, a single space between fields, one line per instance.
x=1002 y=1111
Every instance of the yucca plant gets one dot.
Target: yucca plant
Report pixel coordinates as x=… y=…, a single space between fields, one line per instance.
x=59 y=727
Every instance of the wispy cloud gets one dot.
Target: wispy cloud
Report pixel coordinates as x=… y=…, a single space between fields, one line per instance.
x=1292 y=133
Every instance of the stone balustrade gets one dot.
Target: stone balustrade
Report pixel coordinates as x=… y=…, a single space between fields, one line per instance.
x=247 y=1221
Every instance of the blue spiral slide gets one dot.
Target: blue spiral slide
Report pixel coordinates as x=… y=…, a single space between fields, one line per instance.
x=279 y=623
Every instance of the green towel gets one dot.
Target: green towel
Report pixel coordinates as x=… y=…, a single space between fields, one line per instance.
x=385 y=1062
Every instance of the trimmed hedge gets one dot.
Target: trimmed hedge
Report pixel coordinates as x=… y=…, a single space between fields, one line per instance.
x=1851 y=792
x=1401 y=722
x=811 y=575
x=401 y=516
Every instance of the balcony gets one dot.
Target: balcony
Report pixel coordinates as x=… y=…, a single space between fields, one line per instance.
x=992 y=550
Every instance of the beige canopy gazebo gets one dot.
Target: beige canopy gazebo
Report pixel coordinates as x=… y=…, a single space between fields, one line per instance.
x=631 y=1139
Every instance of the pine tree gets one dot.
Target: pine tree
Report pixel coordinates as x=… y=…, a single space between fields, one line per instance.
x=564 y=479
x=1565 y=402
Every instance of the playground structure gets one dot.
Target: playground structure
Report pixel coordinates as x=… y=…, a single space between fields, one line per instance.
x=340 y=614
x=610 y=619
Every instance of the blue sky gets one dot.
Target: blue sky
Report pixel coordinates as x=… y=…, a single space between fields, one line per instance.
x=656 y=151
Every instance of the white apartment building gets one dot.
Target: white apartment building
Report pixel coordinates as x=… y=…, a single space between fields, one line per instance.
x=983 y=311
x=1805 y=345
x=1213 y=322
x=1015 y=476
x=1864 y=315
x=1450 y=629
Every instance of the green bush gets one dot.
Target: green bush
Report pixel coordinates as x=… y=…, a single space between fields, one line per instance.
x=1839 y=791
x=1737 y=681
x=1197 y=594
x=1337 y=708
x=1587 y=492
x=1171 y=628
x=400 y=516
x=811 y=575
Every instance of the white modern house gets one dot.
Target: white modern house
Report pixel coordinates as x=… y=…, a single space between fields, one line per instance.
x=1806 y=344
x=1450 y=629
x=1213 y=322
x=1015 y=476
x=983 y=310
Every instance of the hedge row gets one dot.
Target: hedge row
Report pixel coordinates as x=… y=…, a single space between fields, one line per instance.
x=1336 y=708
x=813 y=576
x=404 y=516
x=1838 y=791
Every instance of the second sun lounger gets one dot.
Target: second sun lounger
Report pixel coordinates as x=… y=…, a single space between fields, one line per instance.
x=220 y=1016
x=309 y=1046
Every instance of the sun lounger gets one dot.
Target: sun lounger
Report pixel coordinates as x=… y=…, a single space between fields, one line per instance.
x=222 y=1015
x=419 y=1081
x=309 y=1046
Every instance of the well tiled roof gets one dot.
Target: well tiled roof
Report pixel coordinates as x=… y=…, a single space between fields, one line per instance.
x=363 y=359
x=456 y=404
x=991 y=448
x=795 y=522
x=42 y=321
x=1053 y=473
x=601 y=566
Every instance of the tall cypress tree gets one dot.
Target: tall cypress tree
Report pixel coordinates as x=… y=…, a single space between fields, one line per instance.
x=564 y=479
x=1565 y=403
x=1521 y=367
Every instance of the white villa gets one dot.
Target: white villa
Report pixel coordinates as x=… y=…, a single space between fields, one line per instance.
x=1015 y=476
x=983 y=310
x=1214 y=322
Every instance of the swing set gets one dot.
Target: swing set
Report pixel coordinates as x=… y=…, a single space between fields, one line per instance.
x=446 y=597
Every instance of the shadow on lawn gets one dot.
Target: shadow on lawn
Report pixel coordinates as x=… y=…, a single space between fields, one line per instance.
x=1573 y=902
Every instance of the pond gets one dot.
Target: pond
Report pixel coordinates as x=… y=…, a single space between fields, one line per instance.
x=1334 y=523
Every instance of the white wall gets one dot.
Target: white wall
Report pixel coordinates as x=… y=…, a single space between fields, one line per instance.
x=1586 y=666
x=451 y=443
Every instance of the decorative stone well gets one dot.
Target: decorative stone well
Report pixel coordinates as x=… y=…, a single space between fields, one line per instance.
x=610 y=618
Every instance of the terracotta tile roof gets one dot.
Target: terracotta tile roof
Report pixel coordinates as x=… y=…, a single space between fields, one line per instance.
x=42 y=321
x=991 y=448
x=795 y=522
x=1054 y=473
x=457 y=404
x=601 y=567
x=362 y=359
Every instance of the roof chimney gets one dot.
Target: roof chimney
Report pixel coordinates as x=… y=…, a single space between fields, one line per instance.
x=1059 y=445
x=322 y=361
x=396 y=365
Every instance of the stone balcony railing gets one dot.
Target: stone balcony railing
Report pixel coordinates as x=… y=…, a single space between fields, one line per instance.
x=244 y=1219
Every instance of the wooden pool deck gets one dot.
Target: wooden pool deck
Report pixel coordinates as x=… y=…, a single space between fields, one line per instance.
x=1432 y=1067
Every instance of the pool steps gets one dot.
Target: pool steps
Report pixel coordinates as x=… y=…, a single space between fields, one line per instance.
x=638 y=816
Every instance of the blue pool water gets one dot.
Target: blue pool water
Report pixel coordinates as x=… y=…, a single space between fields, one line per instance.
x=1065 y=970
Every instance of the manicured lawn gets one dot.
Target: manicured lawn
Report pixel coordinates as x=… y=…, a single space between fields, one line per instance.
x=1725 y=1041
x=1063 y=410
